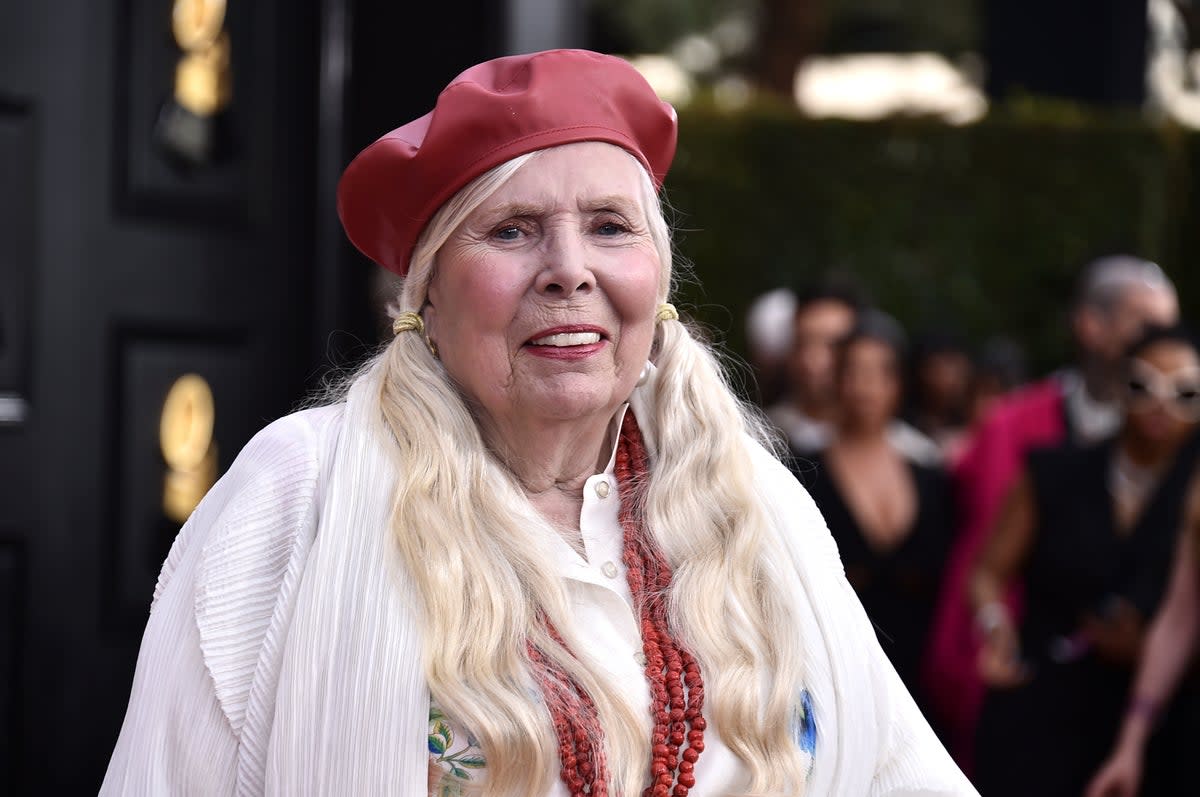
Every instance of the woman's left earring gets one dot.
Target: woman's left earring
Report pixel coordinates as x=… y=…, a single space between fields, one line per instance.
x=644 y=375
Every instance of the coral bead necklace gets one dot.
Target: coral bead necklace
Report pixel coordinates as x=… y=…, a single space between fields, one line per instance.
x=673 y=674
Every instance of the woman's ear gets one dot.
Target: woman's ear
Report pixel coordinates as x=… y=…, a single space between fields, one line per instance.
x=429 y=314
x=429 y=311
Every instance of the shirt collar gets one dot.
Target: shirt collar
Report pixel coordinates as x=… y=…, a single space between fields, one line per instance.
x=1092 y=419
x=599 y=525
x=614 y=437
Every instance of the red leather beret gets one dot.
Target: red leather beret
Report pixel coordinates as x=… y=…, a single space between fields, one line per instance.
x=489 y=114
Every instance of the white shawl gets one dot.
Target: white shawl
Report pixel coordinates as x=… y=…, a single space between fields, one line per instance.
x=282 y=658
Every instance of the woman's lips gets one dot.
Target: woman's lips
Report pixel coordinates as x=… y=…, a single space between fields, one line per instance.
x=567 y=343
x=567 y=339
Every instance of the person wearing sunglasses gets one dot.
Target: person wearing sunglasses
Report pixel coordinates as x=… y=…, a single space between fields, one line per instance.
x=1116 y=297
x=1090 y=531
x=1170 y=642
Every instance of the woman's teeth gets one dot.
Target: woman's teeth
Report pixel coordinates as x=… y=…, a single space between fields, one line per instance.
x=568 y=339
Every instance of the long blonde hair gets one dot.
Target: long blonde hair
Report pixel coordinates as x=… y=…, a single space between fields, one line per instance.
x=470 y=541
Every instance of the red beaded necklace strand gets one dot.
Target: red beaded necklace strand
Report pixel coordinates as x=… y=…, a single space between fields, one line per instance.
x=676 y=684
x=576 y=725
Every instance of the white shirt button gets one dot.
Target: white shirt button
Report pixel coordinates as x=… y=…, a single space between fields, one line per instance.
x=640 y=658
x=602 y=489
x=609 y=569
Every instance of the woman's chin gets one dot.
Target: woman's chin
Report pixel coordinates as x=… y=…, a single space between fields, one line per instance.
x=572 y=399
x=1157 y=429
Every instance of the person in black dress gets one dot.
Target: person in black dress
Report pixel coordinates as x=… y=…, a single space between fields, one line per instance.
x=891 y=517
x=1091 y=532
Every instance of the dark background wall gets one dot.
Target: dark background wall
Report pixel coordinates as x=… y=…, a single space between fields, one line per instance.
x=131 y=272
x=121 y=271
x=1090 y=50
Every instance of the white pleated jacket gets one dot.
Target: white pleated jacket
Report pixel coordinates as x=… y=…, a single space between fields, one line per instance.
x=282 y=655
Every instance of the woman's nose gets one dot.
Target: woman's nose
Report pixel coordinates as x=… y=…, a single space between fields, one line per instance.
x=566 y=269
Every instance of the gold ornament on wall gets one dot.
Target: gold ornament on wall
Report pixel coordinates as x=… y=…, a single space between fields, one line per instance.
x=186 y=438
x=203 y=77
x=190 y=126
x=197 y=23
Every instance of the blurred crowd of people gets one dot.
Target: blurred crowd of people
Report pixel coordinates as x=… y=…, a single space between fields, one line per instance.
x=1024 y=549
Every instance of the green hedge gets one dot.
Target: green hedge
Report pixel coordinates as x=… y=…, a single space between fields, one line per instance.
x=982 y=227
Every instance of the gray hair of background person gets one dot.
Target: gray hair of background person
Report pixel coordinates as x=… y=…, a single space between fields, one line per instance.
x=1106 y=280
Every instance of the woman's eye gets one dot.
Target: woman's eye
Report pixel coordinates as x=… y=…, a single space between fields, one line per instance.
x=509 y=233
x=610 y=228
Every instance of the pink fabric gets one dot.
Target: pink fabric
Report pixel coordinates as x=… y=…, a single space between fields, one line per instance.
x=1028 y=419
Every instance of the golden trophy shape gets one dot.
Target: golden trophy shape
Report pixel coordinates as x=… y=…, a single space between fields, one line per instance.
x=186 y=438
x=191 y=124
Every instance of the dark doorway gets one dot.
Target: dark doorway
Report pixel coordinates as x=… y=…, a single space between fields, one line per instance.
x=140 y=242
x=166 y=246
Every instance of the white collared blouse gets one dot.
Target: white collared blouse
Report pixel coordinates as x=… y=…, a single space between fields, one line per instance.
x=599 y=593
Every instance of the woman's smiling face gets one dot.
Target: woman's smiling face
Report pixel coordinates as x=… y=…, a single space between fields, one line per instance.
x=542 y=302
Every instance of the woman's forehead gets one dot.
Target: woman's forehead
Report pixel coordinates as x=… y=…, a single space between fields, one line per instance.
x=585 y=176
x=1167 y=358
x=868 y=346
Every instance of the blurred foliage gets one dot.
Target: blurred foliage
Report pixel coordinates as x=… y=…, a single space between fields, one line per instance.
x=1021 y=106
x=945 y=26
x=980 y=228
x=654 y=26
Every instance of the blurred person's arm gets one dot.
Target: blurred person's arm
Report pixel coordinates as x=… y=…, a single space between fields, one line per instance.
x=999 y=565
x=982 y=478
x=1168 y=649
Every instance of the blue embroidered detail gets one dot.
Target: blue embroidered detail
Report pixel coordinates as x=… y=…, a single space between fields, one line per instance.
x=453 y=761
x=805 y=729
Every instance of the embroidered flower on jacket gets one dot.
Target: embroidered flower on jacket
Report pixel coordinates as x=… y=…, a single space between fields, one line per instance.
x=454 y=759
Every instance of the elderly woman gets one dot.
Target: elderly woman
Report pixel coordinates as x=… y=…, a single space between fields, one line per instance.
x=890 y=515
x=537 y=548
